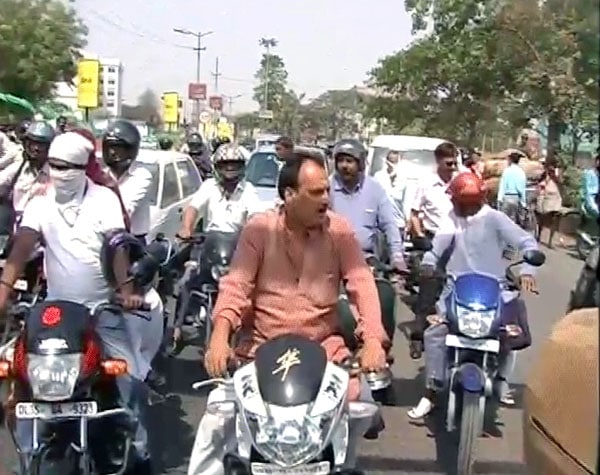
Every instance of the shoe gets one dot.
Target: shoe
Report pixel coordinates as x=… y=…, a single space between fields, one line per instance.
x=377 y=427
x=155 y=380
x=421 y=410
x=505 y=394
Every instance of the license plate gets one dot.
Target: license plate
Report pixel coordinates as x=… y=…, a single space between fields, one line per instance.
x=493 y=346
x=59 y=410
x=20 y=285
x=321 y=468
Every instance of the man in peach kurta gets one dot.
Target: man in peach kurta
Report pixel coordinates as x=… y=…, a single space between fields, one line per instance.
x=285 y=278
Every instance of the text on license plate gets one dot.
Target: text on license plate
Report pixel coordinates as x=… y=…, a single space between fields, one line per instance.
x=321 y=468
x=39 y=410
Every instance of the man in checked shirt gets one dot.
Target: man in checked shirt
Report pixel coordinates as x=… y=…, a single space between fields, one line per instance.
x=285 y=278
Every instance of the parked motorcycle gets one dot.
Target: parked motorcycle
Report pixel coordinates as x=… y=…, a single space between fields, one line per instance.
x=380 y=382
x=209 y=262
x=477 y=322
x=291 y=410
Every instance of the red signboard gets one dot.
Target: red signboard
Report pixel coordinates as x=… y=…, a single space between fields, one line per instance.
x=197 y=91
x=215 y=102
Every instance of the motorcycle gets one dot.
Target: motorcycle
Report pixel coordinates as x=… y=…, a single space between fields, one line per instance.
x=585 y=241
x=380 y=382
x=476 y=321
x=209 y=262
x=291 y=410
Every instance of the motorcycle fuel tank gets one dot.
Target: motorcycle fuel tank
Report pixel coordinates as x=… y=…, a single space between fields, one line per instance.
x=289 y=370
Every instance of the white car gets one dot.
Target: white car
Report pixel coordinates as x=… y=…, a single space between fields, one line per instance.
x=262 y=171
x=176 y=179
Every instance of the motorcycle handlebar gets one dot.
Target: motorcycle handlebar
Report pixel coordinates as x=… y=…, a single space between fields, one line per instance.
x=113 y=307
x=196 y=238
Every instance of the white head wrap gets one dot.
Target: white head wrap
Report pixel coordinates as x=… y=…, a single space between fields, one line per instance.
x=72 y=148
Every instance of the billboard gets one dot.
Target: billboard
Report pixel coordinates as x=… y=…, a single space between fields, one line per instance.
x=88 y=83
x=197 y=91
x=216 y=103
x=170 y=107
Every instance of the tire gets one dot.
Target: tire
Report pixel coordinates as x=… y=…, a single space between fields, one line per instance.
x=470 y=424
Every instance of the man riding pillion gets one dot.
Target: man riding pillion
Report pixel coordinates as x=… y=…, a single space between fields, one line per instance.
x=473 y=237
x=72 y=219
x=22 y=177
x=165 y=143
x=284 y=278
x=196 y=148
x=224 y=203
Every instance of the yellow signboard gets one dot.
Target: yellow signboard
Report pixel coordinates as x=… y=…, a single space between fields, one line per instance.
x=88 y=83
x=170 y=107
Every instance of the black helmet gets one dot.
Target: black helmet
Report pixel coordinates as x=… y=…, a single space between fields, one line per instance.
x=114 y=240
x=165 y=143
x=122 y=133
x=350 y=147
x=40 y=131
x=195 y=143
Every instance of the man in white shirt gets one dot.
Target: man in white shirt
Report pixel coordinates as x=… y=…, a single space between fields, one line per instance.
x=224 y=202
x=389 y=177
x=9 y=151
x=473 y=237
x=72 y=219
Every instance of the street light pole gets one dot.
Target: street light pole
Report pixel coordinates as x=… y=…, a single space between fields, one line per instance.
x=230 y=100
x=198 y=49
x=267 y=43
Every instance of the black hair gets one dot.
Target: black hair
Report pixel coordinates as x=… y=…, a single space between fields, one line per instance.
x=285 y=142
x=289 y=173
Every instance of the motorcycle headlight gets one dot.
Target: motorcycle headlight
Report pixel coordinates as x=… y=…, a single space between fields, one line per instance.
x=289 y=436
x=53 y=377
x=218 y=271
x=475 y=324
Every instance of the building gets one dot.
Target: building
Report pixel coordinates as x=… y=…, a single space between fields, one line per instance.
x=110 y=87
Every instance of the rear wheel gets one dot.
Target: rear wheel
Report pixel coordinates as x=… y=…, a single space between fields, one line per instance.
x=469 y=432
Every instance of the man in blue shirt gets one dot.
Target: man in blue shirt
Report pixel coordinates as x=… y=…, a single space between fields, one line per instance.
x=363 y=201
x=512 y=190
x=590 y=191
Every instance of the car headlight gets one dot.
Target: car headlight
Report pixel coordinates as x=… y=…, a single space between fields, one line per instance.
x=218 y=271
x=53 y=377
x=475 y=324
x=290 y=436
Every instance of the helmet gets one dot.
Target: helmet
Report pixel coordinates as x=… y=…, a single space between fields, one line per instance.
x=195 y=143
x=122 y=133
x=165 y=143
x=467 y=189
x=40 y=131
x=61 y=120
x=231 y=153
x=350 y=147
x=22 y=127
x=114 y=240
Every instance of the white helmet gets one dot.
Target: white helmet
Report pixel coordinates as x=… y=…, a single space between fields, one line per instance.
x=229 y=152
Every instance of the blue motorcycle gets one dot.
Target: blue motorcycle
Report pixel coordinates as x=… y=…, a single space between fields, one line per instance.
x=478 y=320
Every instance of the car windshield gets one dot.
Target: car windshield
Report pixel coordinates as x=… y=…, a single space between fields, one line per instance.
x=153 y=192
x=263 y=169
x=418 y=157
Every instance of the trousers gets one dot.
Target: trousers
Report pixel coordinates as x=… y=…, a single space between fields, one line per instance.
x=113 y=332
x=216 y=435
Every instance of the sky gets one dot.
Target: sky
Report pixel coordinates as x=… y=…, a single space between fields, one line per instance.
x=325 y=44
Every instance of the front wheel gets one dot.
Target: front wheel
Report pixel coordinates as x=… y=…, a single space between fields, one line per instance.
x=469 y=432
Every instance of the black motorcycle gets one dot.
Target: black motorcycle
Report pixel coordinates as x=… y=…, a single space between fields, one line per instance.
x=209 y=261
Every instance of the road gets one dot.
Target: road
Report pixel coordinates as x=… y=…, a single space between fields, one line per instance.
x=404 y=447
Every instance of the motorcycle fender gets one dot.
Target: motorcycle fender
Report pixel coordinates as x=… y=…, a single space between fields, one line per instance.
x=471 y=378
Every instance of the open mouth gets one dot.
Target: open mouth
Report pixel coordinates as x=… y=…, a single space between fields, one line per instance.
x=323 y=210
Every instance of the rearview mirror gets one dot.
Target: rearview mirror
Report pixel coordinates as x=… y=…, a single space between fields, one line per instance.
x=534 y=258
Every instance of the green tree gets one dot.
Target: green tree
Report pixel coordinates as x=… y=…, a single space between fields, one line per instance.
x=40 y=42
x=272 y=79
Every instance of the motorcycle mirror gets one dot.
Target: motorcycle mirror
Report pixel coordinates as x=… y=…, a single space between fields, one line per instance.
x=421 y=244
x=534 y=258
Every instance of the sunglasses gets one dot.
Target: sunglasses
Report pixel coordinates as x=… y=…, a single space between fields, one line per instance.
x=66 y=166
x=449 y=163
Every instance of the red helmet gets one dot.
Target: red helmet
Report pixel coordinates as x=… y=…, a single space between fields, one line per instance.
x=467 y=189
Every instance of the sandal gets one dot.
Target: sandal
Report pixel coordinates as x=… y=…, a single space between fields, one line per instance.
x=421 y=410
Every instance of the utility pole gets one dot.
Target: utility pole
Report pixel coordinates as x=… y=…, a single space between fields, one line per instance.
x=230 y=100
x=216 y=75
x=267 y=43
x=198 y=49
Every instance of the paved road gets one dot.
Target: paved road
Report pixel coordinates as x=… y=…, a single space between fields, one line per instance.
x=404 y=448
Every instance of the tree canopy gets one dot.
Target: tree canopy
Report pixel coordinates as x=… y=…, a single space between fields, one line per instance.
x=40 y=42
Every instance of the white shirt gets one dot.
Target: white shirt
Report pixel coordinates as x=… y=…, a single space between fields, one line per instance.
x=432 y=201
x=72 y=253
x=479 y=243
x=220 y=213
x=396 y=191
x=25 y=184
x=9 y=151
x=134 y=186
